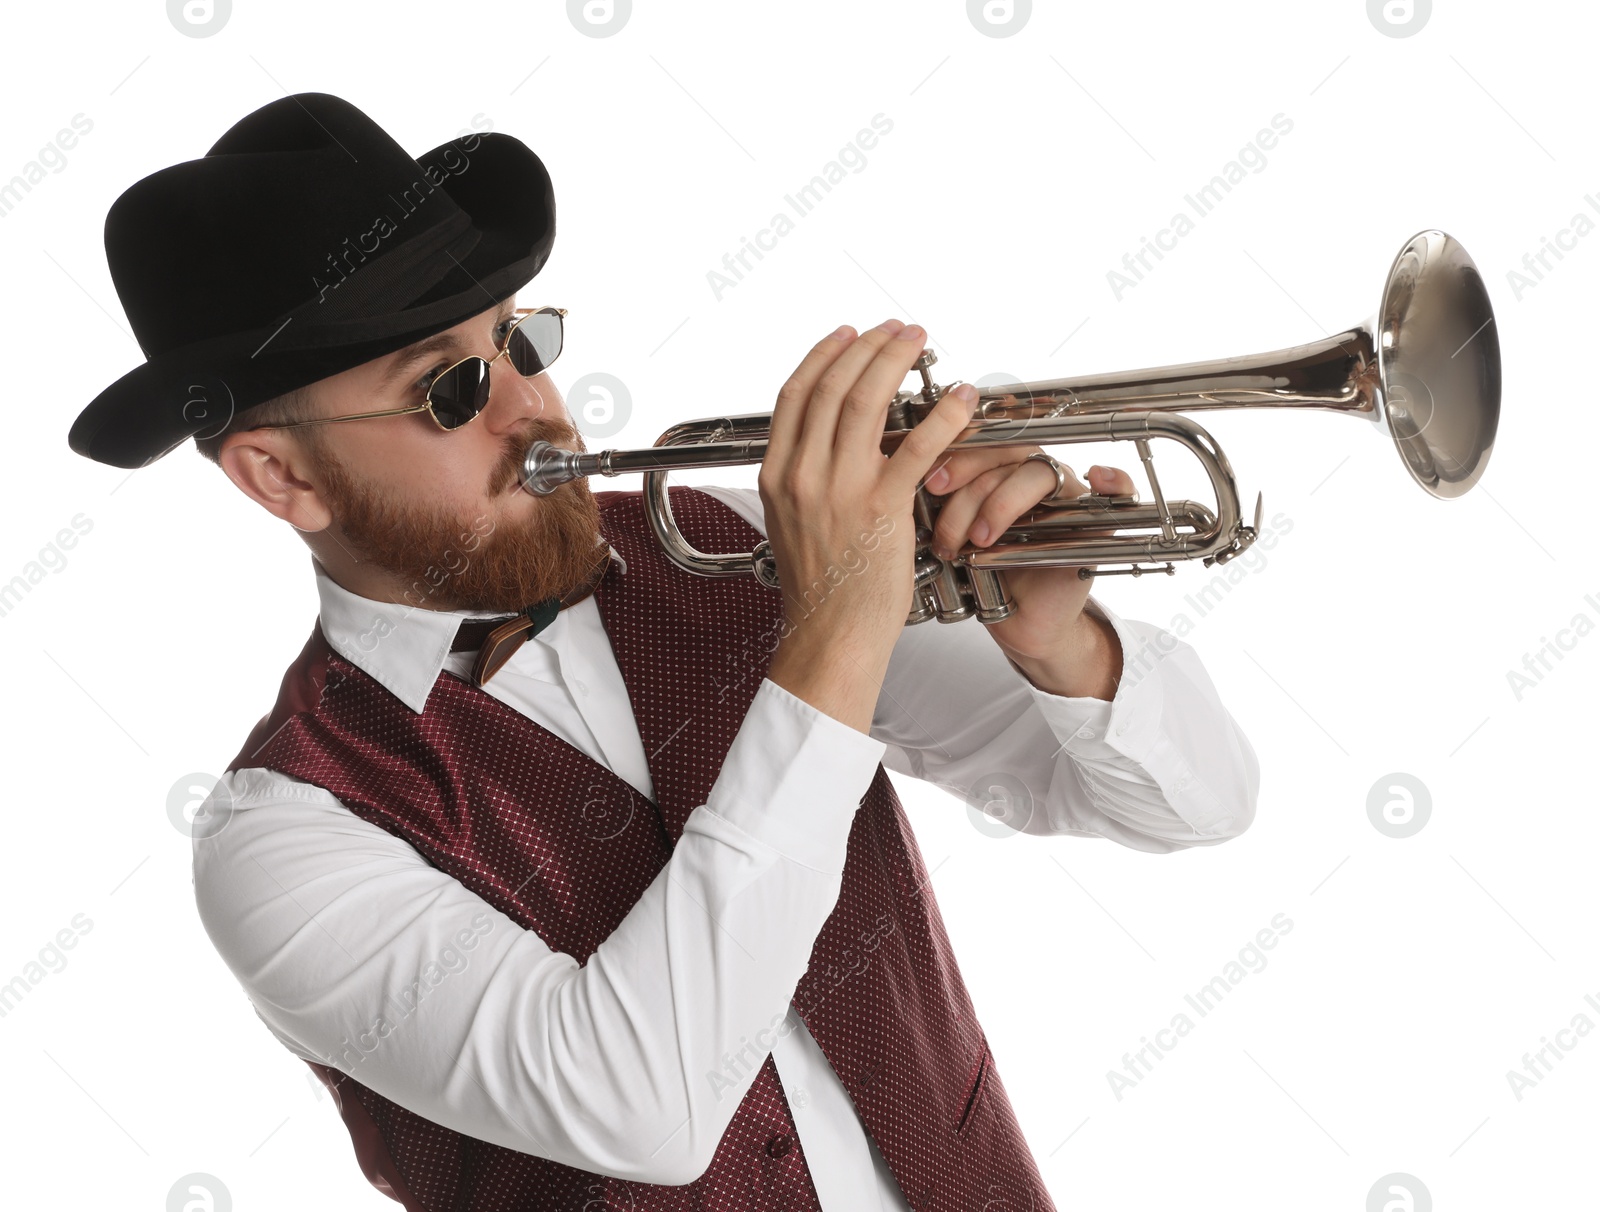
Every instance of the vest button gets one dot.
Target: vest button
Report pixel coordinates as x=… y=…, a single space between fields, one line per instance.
x=780 y=1144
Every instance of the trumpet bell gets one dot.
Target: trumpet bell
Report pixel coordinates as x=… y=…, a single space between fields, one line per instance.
x=1438 y=364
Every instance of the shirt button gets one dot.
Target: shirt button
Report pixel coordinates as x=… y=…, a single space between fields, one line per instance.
x=1122 y=727
x=583 y=687
x=1181 y=783
x=779 y=1144
x=1086 y=733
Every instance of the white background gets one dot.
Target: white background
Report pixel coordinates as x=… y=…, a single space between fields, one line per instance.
x=1374 y=637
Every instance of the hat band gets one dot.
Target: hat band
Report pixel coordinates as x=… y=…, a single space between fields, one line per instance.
x=382 y=286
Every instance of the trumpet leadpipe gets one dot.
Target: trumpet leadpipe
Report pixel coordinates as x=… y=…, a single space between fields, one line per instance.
x=545 y=466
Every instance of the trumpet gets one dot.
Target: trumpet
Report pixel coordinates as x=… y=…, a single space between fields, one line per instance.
x=1425 y=368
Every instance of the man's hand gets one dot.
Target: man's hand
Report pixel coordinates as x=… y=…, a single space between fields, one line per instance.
x=1049 y=637
x=839 y=514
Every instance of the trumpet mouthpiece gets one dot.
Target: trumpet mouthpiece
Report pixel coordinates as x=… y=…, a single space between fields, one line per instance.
x=546 y=467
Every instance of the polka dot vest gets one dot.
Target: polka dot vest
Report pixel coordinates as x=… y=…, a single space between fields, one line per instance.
x=564 y=847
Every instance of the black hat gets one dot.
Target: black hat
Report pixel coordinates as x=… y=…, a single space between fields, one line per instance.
x=305 y=242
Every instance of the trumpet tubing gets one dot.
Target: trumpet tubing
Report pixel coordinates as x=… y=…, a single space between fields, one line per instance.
x=1425 y=368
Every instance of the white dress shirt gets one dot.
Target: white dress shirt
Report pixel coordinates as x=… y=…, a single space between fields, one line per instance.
x=359 y=954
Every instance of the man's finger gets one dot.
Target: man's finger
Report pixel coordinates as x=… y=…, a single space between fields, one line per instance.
x=861 y=408
x=988 y=505
x=961 y=467
x=927 y=440
x=1110 y=481
x=788 y=414
x=816 y=442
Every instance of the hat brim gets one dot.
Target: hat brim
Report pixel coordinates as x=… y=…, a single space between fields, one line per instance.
x=196 y=390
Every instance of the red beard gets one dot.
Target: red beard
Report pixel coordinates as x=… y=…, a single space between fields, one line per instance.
x=473 y=563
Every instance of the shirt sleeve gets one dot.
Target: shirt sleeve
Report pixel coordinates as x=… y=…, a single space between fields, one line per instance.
x=359 y=954
x=1162 y=766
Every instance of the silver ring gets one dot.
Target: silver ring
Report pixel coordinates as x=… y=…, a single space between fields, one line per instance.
x=1057 y=497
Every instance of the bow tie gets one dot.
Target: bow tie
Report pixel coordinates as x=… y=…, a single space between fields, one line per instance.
x=496 y=640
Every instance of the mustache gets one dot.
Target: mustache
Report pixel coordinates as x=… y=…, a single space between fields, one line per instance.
x=517 y=446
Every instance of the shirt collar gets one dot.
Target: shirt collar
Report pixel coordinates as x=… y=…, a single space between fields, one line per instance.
x=403 y=647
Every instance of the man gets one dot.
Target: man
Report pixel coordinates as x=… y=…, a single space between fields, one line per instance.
x=578 y=878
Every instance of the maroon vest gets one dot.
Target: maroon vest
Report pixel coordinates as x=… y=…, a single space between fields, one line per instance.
x=564 y=847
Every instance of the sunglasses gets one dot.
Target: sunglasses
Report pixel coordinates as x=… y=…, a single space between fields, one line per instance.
x=460 y=391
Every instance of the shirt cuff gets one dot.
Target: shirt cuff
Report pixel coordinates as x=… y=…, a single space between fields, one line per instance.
x=1127 y=724
x=794 y=777
x=1131 y=731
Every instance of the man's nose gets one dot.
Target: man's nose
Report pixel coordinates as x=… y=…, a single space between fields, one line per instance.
x=513 y=398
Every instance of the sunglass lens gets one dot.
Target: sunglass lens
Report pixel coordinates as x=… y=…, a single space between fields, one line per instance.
x=535 y=343
x=460 y=393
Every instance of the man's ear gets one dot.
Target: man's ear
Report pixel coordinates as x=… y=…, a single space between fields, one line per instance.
x=271 y=468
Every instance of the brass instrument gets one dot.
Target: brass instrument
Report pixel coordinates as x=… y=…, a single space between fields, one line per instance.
x=1426 y=367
